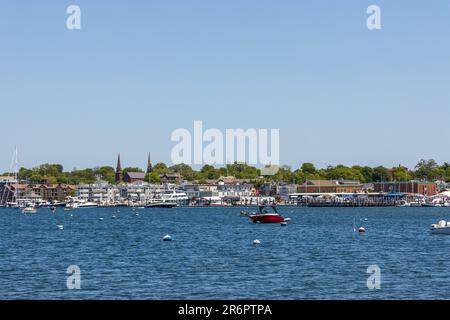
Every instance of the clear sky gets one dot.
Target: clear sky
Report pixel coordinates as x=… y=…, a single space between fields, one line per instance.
x=137 y=70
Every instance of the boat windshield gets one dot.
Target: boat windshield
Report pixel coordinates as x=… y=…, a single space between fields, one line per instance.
x=268 y=210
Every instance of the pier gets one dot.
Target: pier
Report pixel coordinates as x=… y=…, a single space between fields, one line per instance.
x=350 y=203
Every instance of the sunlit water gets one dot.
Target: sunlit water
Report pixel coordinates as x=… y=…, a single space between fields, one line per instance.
x=317 y=256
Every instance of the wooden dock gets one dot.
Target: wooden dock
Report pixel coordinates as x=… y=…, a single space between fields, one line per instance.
x=352 y=203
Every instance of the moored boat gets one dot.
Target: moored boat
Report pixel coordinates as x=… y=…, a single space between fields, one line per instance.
x=442 y=227
x=266 y=214
x=161 y=205
x=29 y=209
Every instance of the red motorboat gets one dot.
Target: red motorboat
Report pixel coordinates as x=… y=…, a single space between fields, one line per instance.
x=266 y=214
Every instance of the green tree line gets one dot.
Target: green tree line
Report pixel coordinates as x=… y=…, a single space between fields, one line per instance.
x=428 y=170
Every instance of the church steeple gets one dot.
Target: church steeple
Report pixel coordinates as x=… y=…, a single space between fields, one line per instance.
x=119 y=175
x=149 y=164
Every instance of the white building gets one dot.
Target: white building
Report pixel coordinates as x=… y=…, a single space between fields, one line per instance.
x=100 y=192
x=234 y=190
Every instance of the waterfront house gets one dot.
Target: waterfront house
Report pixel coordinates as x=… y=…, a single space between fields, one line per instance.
x=46 y=192
x=268 y=189
x=100 y=192
x=170 y=178
x=285 y=189
x=235 y=191
x=53 y=192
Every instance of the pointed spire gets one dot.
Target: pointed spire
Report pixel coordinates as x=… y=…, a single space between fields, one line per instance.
x=119 y=175
x=119 y=165
x=149 y=164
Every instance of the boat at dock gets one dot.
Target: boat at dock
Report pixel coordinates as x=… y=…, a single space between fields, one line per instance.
x=78 y=204
x=167 y=205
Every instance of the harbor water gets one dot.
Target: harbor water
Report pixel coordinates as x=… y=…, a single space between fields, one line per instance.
x=212 y=254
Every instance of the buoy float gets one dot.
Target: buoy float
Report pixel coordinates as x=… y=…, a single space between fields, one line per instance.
x=101 y=219
x=361 y=230
x=60 y=227
x=113 y=217
x=167 y=238
x=255 y=242
x=283 y=224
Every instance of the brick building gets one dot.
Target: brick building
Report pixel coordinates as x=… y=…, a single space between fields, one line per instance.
x=412 y=187
x=330 y=186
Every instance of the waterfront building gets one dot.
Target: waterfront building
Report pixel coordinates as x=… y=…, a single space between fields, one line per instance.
x=200 y=191
x=235 y=191
x=100 y=192
x=284 y=189
x=139 y=191
x=53 y=192
x=104 y=193
x=46 y=192
x=412 y=187
x=268 y=189
x=330 y=186
x=170 y=178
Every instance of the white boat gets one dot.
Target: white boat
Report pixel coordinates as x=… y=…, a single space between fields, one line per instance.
x=168 y=199
x=161 y=205
x=404 y=203
x=88 y=204
x=77 y=204
x=29 y=210
x=442 y=227
x=431 y=204
x=175 y=197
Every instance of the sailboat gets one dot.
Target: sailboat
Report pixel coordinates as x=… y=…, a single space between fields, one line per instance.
x=6 y=199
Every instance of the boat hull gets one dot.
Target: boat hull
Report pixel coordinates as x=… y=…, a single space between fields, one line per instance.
x=262 y=218
x=29 y=211
x=161 y=205
x=441 y=230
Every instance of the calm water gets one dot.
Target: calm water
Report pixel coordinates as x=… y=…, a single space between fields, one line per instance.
x=212 y=256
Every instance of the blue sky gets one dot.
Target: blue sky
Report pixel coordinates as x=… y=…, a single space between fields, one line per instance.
x=137 y=70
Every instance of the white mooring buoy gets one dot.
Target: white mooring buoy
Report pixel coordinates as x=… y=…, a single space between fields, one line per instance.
x=256 y=242
x=167 y=238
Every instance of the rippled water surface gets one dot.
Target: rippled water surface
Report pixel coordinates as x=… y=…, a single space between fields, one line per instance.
x=317 y=256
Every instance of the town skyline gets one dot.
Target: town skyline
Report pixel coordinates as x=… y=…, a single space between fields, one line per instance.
x=424 y=170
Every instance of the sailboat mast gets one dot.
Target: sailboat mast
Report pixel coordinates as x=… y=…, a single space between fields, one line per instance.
x=16 y=177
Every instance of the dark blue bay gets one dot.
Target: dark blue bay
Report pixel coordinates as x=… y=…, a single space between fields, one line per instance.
x=212 y=256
